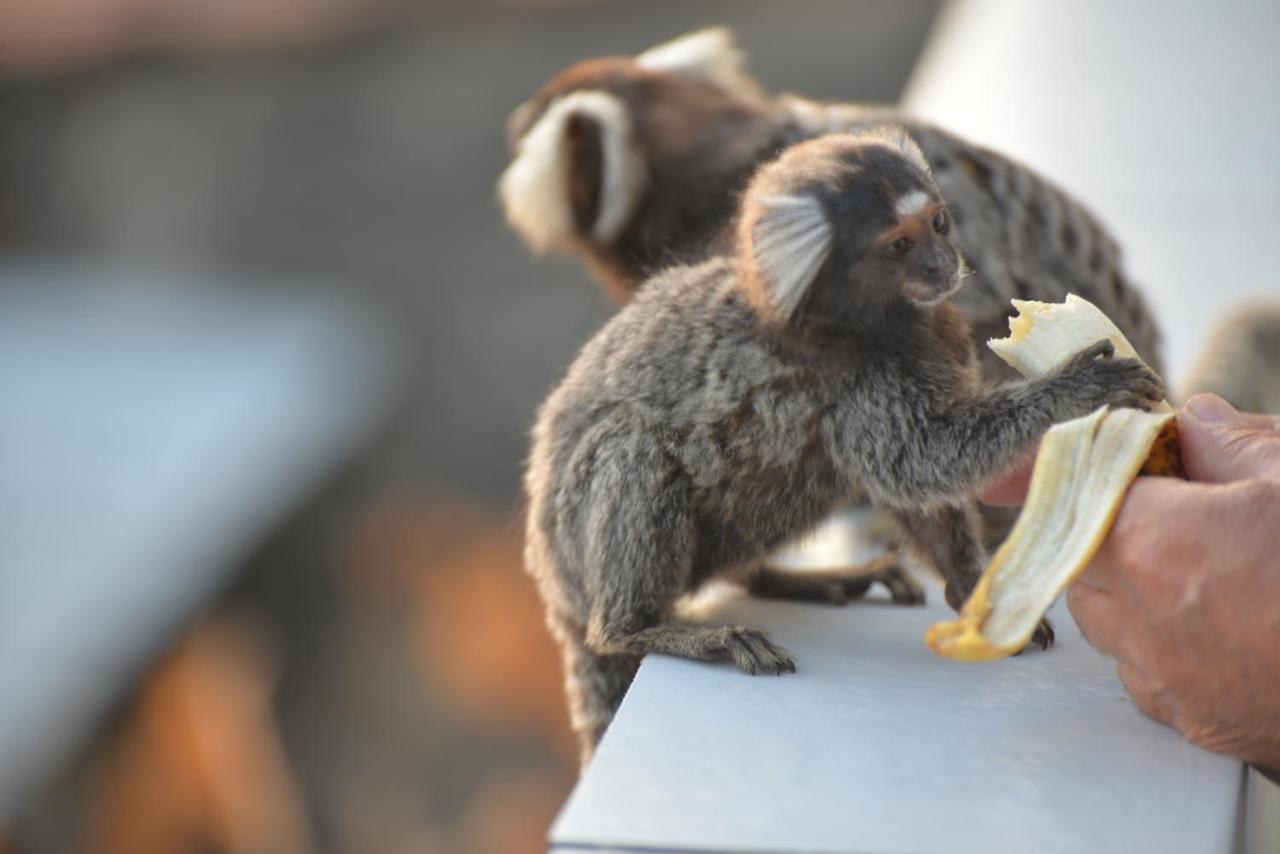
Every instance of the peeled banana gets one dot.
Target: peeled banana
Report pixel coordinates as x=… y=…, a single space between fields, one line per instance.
x=1081 y=473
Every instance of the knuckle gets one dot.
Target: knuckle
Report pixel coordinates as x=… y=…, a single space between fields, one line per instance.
x=1130 y=549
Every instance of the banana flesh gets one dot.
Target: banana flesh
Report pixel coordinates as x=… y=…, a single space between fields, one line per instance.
x=1082 y=471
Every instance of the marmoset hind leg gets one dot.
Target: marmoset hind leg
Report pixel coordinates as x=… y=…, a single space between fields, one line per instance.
x=596 y=681
x=643 y=567
x=635 y=532
x=949 y=540
x=837 y=586
x=633 y=618
x=594 y=685
x=750 y=650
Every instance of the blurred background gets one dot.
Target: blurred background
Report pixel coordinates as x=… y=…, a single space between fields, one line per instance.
x=268 y=356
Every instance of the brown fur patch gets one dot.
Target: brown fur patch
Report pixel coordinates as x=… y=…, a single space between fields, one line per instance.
x=586 y=174
x=917 y=227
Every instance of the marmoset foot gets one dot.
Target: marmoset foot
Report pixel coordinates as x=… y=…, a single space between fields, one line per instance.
x=747 y=648
x=1043 y=636
x=753 y=652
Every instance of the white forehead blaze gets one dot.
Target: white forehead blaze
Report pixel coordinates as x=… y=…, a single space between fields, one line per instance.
x=911 y=204
x=534 y=189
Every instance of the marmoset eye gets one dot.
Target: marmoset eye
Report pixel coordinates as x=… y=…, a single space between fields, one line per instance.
x=900 y=247
x=941 y=222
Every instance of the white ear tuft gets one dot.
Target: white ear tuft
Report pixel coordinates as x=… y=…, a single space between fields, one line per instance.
x=897 y=138
x=534 y=189
x=790 y=238
x=711 y=55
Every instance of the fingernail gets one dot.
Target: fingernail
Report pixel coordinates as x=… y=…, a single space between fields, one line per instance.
x=1211 y=409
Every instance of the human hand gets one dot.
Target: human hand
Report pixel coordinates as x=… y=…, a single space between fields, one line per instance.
x=1185 y=591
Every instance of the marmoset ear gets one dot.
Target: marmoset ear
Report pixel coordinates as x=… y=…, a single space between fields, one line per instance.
x=783 y=242
x=578 y=172
x=711 y=55
x=897 y=138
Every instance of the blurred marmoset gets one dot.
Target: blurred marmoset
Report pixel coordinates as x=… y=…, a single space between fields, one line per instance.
x=1240 y=359
x=637 y=163
x=736 y=403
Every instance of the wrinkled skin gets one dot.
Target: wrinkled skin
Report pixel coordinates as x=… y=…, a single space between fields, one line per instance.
x=1185 y=592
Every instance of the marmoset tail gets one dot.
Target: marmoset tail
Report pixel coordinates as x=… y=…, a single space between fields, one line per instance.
x=734 y=404
x=635 y=163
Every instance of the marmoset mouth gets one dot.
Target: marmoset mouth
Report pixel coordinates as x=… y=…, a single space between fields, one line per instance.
x=928 y=294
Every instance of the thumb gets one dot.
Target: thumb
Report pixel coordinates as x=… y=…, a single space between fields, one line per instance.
x=1220 y=445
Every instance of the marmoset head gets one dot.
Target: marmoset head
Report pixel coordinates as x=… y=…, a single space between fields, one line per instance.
x=609 y=136
x=842 y=228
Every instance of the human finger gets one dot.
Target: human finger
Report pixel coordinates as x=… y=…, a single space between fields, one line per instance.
x=1221 y=445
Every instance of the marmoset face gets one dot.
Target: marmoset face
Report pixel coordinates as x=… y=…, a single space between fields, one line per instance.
x=896 y=230
x=842 y=230
x=918 y=248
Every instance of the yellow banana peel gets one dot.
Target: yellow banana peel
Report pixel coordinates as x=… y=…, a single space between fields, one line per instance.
x=1082 y=471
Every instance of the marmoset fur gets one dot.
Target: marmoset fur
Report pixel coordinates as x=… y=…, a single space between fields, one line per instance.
x=636 y=163
x=1240 y=360
x=734 y=404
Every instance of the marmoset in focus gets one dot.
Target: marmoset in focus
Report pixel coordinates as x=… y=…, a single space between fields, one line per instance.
x=734 y=404
x=637 y=163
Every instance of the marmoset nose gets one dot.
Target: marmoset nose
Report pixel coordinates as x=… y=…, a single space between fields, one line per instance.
x=932 y=265
x=930 y=269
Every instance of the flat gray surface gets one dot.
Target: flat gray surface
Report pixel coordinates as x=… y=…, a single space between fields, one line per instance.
x=148 y=439
x=875 y=745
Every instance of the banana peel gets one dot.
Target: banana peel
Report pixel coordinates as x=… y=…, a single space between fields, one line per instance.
x=1082 y=471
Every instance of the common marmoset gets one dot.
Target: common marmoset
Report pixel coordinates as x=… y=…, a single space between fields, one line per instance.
x=636 y=163
x=733 y=404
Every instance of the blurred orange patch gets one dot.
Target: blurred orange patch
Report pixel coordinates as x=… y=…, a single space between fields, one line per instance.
x=198 y=764
x=477 y=623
